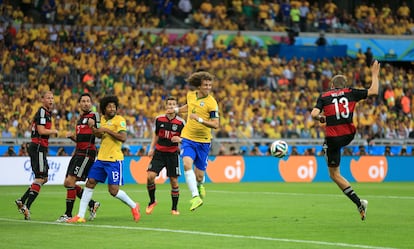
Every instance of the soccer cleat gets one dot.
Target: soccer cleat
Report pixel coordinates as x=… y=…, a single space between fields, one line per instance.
x=195 y=203
x=19 y=205
x=76 y=219
x=201 y=191
x=363 y=209
x=93 y=210
x=135 y=212
x=26 y=212
x=63 y=219
x=150 y=207
x=175 y=212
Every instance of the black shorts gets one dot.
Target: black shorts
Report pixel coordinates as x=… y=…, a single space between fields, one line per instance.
x=169 y=160
x=79 y=166
x=335 y=145
x=38 y=160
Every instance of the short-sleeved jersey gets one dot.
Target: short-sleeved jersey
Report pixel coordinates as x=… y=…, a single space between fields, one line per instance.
x=42 y=117
x=338 y=106
x=207 y=109
x=165 y=129
x=110 y=149
x=85 y=139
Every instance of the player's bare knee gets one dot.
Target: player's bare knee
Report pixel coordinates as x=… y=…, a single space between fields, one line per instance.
x=43 y=181
x=113 y=192
x=91 y=183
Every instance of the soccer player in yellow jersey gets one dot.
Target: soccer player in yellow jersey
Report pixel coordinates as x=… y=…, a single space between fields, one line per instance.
x=108 y=165
x=196 y=136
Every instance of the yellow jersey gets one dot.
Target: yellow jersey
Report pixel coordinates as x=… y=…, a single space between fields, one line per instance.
x=110 y=149
x=206 y=108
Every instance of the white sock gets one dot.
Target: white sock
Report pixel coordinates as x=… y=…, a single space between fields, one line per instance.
x=190 y=178
x=84 y=202
x=125 y=198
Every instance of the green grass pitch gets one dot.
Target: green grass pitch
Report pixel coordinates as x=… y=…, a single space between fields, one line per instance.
x=242 y=215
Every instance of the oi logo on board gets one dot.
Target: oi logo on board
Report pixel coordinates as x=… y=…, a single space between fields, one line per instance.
x=298 y=169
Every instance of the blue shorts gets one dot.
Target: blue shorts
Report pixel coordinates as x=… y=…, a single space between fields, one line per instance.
x=197 y=151
x=101 y=170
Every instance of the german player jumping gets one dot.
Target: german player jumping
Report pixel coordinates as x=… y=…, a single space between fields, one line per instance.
x=337 y=106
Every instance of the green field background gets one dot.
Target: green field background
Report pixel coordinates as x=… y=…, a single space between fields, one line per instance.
x=242 y=215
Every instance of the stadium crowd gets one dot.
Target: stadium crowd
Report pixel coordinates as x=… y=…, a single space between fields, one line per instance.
x=273 y=15
x=259 y=96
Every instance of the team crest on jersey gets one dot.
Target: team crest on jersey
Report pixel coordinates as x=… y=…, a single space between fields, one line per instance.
x=202 y=103
x=85 y=121
x=174 y=127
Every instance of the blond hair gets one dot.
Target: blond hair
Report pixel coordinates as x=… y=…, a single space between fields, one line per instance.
x=338 y=81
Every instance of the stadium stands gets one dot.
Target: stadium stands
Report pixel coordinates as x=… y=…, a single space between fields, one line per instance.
x=84 y=46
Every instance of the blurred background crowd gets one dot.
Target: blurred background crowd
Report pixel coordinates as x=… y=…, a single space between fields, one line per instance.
x=122 y=47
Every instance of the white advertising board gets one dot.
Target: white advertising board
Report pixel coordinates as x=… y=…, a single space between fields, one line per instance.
x=18 y=171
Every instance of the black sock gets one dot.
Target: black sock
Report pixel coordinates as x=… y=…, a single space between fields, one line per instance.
x=151 y=192
x=70 y=200
x=175 y=194
x=352 y=195
x=33 y=193
x=25 y=195
x=91 y=203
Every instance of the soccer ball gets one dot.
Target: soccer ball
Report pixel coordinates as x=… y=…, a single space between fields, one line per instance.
x=279 y=148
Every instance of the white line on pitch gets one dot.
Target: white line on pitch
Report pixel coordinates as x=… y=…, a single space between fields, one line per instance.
x=328 y=244
x=237 y=192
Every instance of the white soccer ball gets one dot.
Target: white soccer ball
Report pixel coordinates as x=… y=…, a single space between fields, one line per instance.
x=279 y=148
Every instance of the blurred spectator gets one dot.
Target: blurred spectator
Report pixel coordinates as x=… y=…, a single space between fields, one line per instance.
x=222 y=150
x=361 y=151
x=321 y=41
x=304 y=11
x=295 y=17
x=61 y=152
x=23 y=150
x=403 y=11
x=294 y=151
x=285 y=10
x=403 y=151
x=6 y=133
x=222 y=133
x=184 y=9
x=141 y=152
x=126 y=150
x=10 y=151
x=347 y=151
x=255 y=151
x=310 y=152
x=405 y=102
x=389 y=96
x=233 y=151
x=387 y=151
x=411 y=135
x=369 y=57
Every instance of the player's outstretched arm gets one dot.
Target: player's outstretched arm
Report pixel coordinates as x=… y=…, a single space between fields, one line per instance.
x=374 y=88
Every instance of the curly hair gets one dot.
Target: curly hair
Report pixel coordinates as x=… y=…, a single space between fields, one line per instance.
x=106 y=100
x=197 y=78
